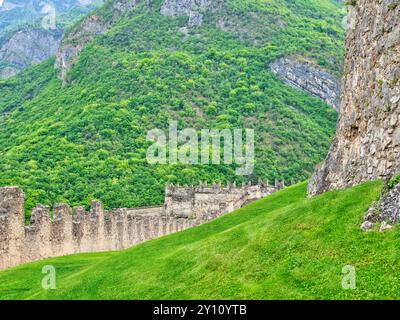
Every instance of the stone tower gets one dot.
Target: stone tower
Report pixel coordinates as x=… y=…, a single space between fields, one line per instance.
x=367 y=142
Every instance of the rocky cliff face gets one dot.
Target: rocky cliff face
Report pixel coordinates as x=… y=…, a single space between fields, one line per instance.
x=367 y=144
x=24 y=40
x=95 y=25
x=306 y=76
x=75 y=230
x=27 y=47
x=91 y=26
x=194 y=9
x=17 y=13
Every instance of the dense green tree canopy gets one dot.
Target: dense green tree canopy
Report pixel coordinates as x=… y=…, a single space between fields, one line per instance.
x=88 y=139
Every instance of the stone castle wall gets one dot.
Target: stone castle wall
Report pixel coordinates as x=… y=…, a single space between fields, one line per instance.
x=73 y=230
x=367 y=143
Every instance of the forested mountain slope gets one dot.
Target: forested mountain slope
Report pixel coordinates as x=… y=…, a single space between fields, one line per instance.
x=206 y=67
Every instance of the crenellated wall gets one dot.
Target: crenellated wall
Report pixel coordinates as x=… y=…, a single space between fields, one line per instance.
x=75 y=230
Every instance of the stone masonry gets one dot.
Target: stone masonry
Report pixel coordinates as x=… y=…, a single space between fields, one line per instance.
x=74 y=230
x=367 y=143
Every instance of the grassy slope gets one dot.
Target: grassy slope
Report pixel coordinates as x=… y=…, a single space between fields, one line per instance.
x=285 y=246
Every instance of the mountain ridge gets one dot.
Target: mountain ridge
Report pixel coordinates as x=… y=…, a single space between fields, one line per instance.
x=283 y=247
x=34 y=31
x=58 y=142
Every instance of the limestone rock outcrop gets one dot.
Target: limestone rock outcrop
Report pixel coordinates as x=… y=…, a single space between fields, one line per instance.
x=386 y=211
x=175 y=8
x=27 y=33
x=73 y=230
x=93 y=25
x=390 y=206
x=76 y=41
x=194 y=9
x=27 y=47
x=367 y=143
x=307 y=76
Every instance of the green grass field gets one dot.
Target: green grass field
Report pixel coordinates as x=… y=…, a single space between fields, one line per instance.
x=282 y=247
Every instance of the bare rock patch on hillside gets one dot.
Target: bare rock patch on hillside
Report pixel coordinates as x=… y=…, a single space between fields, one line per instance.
x=307 y=76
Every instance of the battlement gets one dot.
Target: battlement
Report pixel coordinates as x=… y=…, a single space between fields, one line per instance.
x=73 y=230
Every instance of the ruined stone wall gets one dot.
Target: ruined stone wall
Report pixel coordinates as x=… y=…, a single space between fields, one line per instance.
x=367 y=143
x=73 y=230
